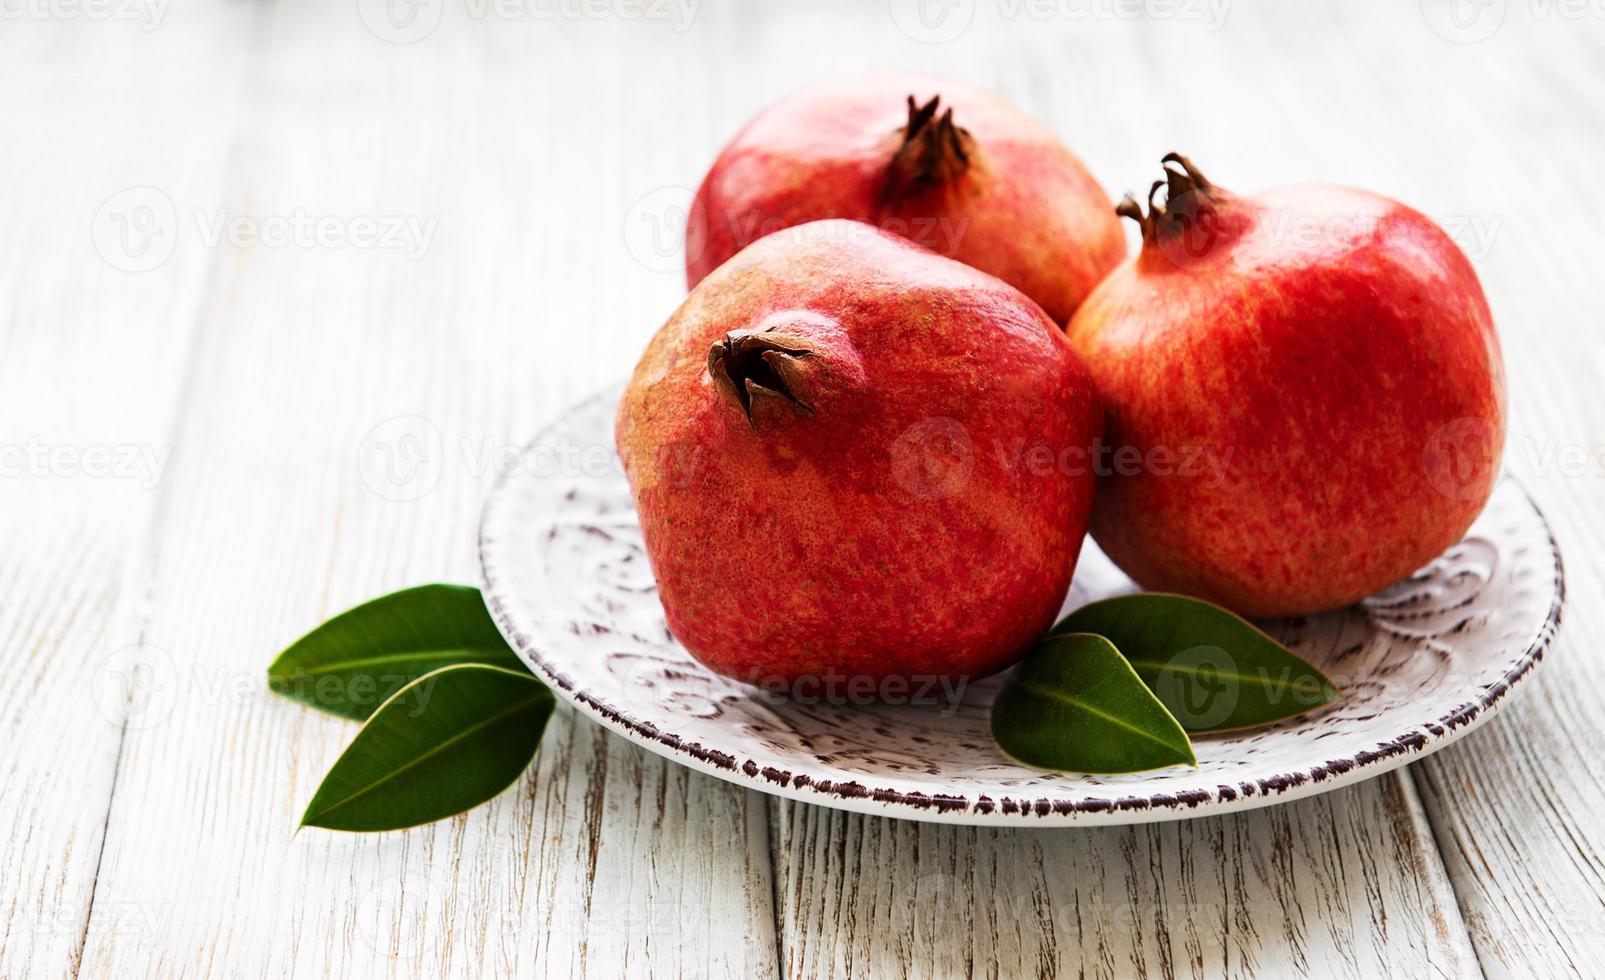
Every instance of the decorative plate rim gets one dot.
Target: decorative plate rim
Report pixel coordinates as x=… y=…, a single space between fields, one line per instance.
x=863 y=796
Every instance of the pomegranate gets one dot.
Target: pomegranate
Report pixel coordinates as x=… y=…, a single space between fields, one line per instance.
x=1306 y=389
x=956 y=169
x=845 y=456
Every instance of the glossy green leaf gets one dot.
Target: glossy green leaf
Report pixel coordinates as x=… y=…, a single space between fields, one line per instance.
x=356 y=661
x=1074 y=704
x=1213 y=669
x=446 y=742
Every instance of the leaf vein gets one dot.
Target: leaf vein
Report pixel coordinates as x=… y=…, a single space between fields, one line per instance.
x=420 y=759
x=309 y=670
x=1076 y=702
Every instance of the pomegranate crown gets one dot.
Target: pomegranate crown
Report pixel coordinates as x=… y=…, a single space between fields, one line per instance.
x=749 y=366
x=1188 y=193
x=934 y=149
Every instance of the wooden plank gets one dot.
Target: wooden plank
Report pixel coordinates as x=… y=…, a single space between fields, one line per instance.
x=1342 y=885
x=605 y=859
x=94 y=338
x=61 y=623
x=1513 y=805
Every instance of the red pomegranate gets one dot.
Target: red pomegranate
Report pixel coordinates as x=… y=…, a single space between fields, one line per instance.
x=854 y=460
x=953 y=168
x=1306 y=389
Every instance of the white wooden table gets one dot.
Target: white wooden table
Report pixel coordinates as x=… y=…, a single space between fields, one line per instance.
x=245 y=243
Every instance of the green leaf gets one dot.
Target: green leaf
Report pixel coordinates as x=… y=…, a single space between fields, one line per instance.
x=356 y=661
x=1075 y=704
x=447 y=742
x=1213 y=669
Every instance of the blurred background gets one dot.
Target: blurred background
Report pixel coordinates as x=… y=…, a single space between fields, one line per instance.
x=284 y=282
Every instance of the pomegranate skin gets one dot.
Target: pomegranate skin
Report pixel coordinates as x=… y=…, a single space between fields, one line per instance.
x=887 y=518
x=1328 y=358
x=1019 y=206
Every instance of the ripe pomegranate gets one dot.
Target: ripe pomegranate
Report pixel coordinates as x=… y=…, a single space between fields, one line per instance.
x=844 y=451
x=1307 y=390
x=953 y=168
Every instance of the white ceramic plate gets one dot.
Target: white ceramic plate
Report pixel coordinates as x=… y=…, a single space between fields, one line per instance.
x=567 y=580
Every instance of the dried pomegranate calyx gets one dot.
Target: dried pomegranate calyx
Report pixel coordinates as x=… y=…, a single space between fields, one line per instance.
x=934 y=149
x=1187 y=193
x=748 y=366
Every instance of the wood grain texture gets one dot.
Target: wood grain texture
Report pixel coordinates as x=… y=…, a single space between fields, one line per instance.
x=92 y=361
x=1347 y=884
x=335 y=412
x=297 y=495
x=1513 y=805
